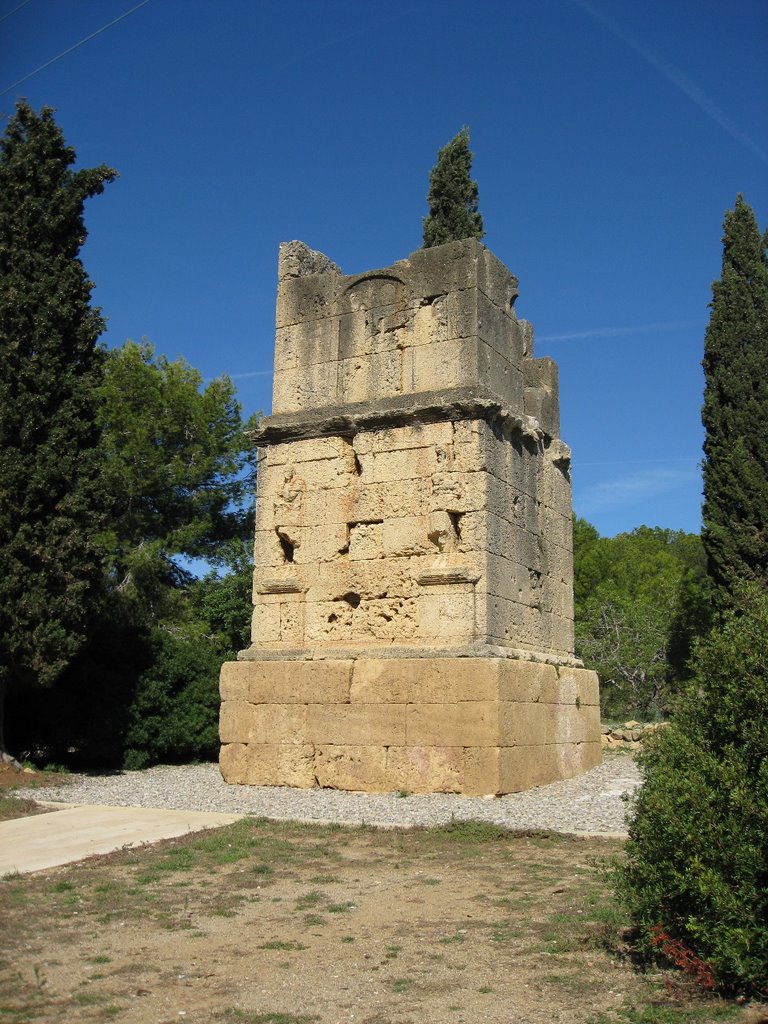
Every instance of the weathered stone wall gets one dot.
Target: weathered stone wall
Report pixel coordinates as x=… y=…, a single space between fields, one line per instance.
x=413 y=505
x=457 y=725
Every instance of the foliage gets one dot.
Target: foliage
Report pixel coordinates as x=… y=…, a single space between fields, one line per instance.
x=453 y=197
x=50 y=566
x=174 y=713
x=176 y=468
x=735 y=411
x=639 y=602
x=697 y=865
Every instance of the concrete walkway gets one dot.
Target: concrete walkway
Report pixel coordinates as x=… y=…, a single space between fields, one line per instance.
x=65 y=835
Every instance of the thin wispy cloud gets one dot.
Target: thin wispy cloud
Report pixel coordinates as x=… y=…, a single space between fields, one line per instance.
x=629 y=489
x=618 y=332
x=240 y=376
x=679 y=80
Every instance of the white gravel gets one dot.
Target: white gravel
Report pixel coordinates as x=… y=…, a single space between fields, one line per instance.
x=592 y=804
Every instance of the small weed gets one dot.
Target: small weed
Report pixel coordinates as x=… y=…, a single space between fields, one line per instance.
x=485 y=989
x=340 y=908
x=446 y=940
x=235 y=1016
x=347 y=938
x=309 y=899
x=264 y=870
x=401 y=984
x=313 y=920
x=286 y=946
x=392 y=952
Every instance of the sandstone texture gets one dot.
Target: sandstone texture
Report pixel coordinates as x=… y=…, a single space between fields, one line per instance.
x=413 y=556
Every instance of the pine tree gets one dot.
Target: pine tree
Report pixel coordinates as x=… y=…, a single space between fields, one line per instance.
x=50 y=369
x=453 y=199
x=735 y=412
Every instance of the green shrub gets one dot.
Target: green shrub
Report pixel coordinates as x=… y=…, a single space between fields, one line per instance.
x=174 y=713
x=697 y=868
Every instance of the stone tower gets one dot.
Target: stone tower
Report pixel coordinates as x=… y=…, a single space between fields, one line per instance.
x=413 y=584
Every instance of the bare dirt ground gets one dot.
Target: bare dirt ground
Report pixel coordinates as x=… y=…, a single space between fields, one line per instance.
x=275 y=923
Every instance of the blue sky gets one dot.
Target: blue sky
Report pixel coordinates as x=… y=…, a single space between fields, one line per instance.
x=609 y=139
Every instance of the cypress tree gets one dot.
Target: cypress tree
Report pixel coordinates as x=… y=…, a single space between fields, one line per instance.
x=452 y=198
x=735 y=411
x=50 y=369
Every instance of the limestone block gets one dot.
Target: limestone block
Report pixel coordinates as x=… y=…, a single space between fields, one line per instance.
x=445 y=364
x=366 y=540
x=430 y=322
x=459 y=492
x=315 y=449
x=393 y=467
x=268 y=764
x=426 y=769
x=425 y=680
x=525 y=767
x=380 y=501
x=417 y=435
x=576 y=758
x=301 y=299
x=526 y=724
x=352 y=767
x=265 y=622
x=393 y=619
x=328 y=622
x=242 y=722
x=542 y=394
x=305 y=387
x=307 y=343
x=365 y=378
x=526 y=331
x=576 y=724
x=286 y=682
x=499 y=330
x=354 y=337
x=356 y=724
x=291 y=622
x=443 y=269
x=296 y=259
x=466 y=724
x=504 y=379
x=233 y=763
x=495 y=281
x=321 y=543
x=527 y=682
x=579 y=685
x=406 y=535
x=461 y=307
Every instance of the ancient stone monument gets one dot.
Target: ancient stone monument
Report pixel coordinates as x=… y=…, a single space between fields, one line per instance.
x=413 y=584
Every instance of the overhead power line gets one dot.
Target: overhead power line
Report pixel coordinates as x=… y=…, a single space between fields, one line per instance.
x=71 y=48
x=17 y=8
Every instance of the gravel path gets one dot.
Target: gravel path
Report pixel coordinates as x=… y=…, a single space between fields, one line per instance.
x=592 y=804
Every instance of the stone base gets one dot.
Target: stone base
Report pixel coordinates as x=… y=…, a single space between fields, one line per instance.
x=426 y=725
x=474 y=726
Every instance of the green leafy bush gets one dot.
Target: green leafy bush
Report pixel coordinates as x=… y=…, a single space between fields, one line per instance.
x=697 y=867
x=174 y=713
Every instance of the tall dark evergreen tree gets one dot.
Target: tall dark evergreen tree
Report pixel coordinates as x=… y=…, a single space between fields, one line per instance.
x=453 y=199
x=735 y=412
x=50 y=370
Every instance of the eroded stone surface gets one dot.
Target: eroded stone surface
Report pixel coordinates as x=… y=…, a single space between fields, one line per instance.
x=413 y=502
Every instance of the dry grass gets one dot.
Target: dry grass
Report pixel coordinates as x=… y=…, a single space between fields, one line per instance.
x=274 y=922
